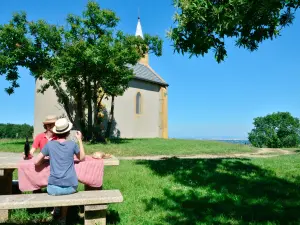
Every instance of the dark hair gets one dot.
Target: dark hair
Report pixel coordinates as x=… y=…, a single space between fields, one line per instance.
x=45 y=125
x=63 y=136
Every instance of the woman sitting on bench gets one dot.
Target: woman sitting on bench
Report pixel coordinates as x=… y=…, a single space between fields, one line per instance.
x=63 y=179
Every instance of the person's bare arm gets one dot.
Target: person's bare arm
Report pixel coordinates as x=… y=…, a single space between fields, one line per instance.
x=32 y=150
x=34 y=146
x=81 y=154
x=39 y=159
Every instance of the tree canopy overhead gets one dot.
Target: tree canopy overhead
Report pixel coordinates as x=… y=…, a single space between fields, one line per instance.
x=203 y=25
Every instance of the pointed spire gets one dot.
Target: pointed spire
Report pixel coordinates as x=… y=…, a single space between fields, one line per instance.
x=139 y=31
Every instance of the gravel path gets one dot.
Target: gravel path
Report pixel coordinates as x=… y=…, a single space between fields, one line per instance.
x=261 y=153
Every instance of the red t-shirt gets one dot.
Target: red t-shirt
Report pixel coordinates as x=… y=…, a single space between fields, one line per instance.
x=41 y=140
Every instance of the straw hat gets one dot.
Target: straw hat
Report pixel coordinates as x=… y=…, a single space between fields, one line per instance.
x=62 y=126
x=50 y=119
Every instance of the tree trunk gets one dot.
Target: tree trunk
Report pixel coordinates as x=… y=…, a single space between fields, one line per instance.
x=90 y=119
x=88 y=95
x=80 y=123
x=96 y=104
x=97 y=131
x=63 y=98
x=111 y=118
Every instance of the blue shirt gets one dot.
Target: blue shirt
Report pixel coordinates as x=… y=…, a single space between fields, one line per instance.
x=62 y=170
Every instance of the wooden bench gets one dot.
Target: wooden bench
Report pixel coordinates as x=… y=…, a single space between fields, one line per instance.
x=94 y=202
x=9 y=162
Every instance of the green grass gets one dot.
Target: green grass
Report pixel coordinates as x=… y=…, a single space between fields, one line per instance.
x=213 y=191
x=200 y=191
x=190 y=191
x=139 y=147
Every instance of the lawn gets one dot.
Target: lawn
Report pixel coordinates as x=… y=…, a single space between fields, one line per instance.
x=191 y=191
x=218 y=191
x=199 y=191
x=138 y=147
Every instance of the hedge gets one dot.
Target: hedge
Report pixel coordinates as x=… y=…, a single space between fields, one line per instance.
x=15 y=130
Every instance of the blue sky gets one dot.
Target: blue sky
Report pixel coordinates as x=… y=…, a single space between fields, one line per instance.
x=206 y=99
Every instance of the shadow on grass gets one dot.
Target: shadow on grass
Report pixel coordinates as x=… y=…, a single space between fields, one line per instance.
x=223 y=191
x=73 y=218
x=19 y=142
x=37 y=216
x=120 y=140
x=30 y=222
x=113 y=217
x=113 y=141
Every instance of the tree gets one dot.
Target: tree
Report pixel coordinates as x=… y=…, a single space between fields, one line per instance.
x=275 y=130
x=15 y=130
x=202 y=25
x=87 y=55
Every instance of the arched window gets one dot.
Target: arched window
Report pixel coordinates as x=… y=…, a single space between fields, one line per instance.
x=138 y=102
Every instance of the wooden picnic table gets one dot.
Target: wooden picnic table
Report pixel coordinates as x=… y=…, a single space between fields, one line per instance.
x=9 y=162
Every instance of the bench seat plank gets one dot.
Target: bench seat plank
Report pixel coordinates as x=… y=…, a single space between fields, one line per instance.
x=45 y=200
x=94 y=207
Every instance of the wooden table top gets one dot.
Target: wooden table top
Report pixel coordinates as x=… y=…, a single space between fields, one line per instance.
x=10 y=160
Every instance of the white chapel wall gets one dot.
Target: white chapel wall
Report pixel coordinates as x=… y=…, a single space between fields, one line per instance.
x=144 y=125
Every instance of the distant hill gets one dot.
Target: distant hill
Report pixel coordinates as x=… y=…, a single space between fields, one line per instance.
x=245 y=142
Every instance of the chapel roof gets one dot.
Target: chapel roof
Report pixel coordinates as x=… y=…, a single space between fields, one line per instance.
x=146 y=73
x=142 y=71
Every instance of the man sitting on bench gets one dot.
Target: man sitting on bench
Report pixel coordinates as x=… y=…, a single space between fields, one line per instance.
x=63 y=179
